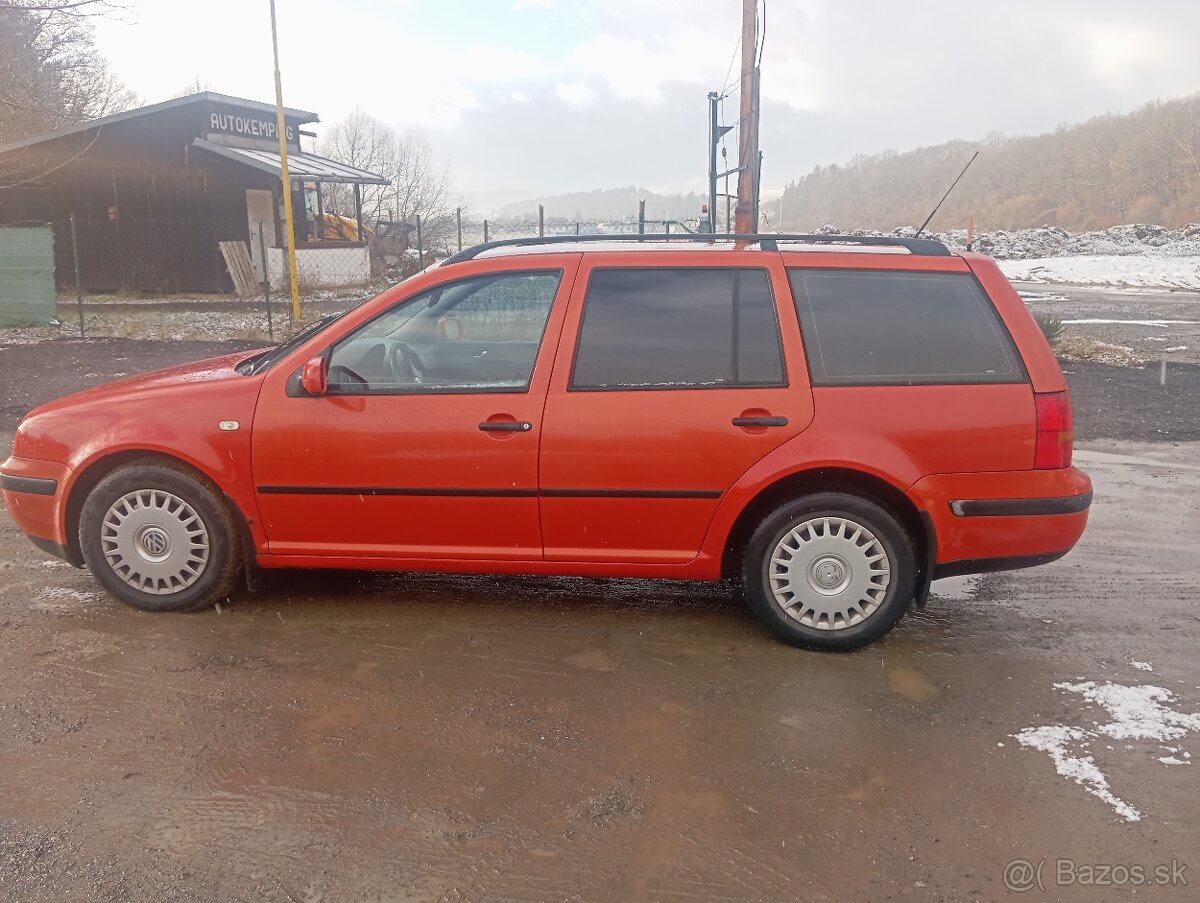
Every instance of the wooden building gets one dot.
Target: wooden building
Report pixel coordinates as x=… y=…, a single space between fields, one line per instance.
x=153 y=190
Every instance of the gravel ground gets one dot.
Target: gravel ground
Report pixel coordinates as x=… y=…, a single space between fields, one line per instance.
x=418 y=737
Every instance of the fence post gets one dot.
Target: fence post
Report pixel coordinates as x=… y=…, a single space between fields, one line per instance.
x=485 y=232
x=576 y=227
x=541 y=221
x=667 y=226
x=642 y=217
x=458 y=220
x=262 y=256
x=78 y=284
x=420 y=245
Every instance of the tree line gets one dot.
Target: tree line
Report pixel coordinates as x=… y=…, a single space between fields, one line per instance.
x=1142 y=166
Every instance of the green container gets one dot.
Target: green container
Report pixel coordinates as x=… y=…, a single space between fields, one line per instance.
x=27 y=293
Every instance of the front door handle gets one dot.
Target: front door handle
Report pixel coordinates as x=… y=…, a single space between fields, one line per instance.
x=506 y=426
x=760 y=421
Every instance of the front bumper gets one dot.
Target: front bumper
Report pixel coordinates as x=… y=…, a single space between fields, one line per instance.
x=35 y=493
x=1000 y=521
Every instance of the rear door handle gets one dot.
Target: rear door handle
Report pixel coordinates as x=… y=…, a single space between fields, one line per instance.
x=760 y=421
x=506 y=426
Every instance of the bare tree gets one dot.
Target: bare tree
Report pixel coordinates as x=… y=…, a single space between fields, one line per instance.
x=419 y=185
x=51 y=74
x=196 y=86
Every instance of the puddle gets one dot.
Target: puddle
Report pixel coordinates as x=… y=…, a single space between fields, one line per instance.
x=869 y=790
x=592 y=660
x=956 y=587
x=912 y=685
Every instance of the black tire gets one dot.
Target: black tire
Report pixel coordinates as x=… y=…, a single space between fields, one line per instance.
x=220 y=571
x=895 y=541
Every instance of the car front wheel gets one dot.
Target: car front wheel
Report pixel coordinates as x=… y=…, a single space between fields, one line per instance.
x=160 y=537
x=829 y=571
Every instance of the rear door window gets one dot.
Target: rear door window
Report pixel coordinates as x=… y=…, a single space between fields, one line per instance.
x=660 y=328
x=901 y=328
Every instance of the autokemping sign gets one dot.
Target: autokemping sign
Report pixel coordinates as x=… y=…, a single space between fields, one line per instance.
x=239 y=126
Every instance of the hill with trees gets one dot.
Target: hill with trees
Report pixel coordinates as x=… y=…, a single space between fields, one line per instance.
x=1142 y=166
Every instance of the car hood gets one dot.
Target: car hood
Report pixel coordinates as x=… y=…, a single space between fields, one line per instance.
x=172 y=409
x=206 y=371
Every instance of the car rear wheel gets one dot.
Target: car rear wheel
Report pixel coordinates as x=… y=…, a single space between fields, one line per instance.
x=829 y=571
x=160 y=537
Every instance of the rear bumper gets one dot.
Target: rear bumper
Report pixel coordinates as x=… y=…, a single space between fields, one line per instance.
x=1002 y=521
x=35 y=493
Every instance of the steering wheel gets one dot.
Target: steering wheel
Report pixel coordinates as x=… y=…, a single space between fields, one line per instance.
x=405 y=364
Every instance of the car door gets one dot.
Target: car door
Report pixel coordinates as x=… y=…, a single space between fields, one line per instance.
x=673 y=378
x=426 y=442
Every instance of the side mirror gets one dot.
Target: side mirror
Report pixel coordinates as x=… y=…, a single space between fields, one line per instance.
x=314 y=376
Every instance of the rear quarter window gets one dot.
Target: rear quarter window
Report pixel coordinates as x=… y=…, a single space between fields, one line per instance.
x=891 y=327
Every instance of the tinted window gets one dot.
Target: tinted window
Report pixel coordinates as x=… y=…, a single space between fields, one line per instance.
x=901 y=328
x=478 y=334
x=661 y=328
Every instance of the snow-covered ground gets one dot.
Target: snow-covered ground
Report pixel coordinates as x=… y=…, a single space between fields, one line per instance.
x=1137 y=255
x=1109 y=270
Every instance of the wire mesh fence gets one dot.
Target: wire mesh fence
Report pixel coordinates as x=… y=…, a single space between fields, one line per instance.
x=210 y=259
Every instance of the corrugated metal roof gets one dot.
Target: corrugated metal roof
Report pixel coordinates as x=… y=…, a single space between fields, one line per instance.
x=153 y=108
x=27 y=293
x=300 y=165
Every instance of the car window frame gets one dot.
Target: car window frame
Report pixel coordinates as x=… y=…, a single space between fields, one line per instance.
x=651 y=267
x=418 y=388
x=816 y=373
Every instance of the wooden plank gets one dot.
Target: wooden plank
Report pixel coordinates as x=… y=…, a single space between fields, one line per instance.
x=237 y=261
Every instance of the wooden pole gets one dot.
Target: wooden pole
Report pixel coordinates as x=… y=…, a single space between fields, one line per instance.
x=288 y=218
x=743 y=214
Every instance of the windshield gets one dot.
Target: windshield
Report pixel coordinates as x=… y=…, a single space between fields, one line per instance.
x=268 y=360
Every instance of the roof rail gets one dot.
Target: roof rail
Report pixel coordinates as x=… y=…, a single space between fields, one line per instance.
x=926 y=247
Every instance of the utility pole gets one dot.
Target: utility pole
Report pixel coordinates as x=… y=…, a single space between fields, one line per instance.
x=747 y=204
x=716 y=132
x=713 y=138
x=288 y=218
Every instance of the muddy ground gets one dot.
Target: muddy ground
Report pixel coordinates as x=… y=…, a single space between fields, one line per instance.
x=1169 y=327
x=355 y=736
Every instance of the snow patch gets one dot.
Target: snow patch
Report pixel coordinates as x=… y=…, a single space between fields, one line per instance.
x=66 y=593
x=1142 y=666
x=1161 y=324
x=1137 y=713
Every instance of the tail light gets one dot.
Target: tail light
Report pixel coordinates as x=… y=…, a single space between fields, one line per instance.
x=1055 y=432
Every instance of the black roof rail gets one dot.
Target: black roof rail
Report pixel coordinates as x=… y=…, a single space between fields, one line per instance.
x=925 y=247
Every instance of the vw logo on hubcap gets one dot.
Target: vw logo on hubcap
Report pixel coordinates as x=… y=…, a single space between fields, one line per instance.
x=154 y=543
x=828 y=574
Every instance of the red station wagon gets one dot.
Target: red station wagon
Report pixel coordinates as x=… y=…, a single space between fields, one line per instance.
x=833 y=420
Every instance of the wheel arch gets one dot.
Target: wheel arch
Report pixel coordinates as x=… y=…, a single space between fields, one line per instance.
x=97 y=469
x=831 y=479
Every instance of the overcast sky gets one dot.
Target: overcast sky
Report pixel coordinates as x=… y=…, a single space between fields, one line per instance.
x=530 y=97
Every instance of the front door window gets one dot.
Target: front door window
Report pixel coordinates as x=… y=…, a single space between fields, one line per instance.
x=477 y=335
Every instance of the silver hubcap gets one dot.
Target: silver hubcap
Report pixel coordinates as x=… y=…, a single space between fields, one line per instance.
x=155 y=541
x=829 y=573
